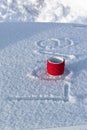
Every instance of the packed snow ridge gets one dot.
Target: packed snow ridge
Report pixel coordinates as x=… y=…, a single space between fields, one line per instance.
x=44 y=11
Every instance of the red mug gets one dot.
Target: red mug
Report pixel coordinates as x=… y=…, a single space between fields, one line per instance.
x=55 y=66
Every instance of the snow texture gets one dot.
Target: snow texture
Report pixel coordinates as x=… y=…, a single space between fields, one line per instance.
x=29 y=97
x=71 y=11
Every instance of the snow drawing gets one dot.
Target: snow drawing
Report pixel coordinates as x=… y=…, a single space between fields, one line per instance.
x=29 y=97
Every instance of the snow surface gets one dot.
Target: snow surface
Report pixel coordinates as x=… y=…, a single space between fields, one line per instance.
x=71 y=11
x=29 y=97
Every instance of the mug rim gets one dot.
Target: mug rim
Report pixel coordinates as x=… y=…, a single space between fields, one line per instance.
x=57 y=58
